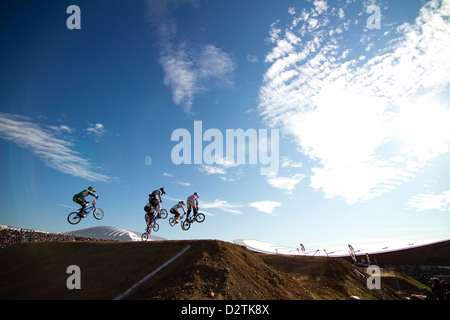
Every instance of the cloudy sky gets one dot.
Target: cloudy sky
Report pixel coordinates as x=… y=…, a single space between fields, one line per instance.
x=357 y=90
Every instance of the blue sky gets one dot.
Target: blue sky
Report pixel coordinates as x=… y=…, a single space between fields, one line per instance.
x=362 y=111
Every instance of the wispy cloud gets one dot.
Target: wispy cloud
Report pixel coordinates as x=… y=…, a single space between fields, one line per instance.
x=288 y=163
x=61 y=129
x=288 y=184
x=426 y=202
x=252 y=58
x=265 y=206
x=222 y=205
x=370 y=119
x=56 y=153
x=208 y=169
x=96 y=130
x=220 y=167
x=190 y=69
x=181 y=183
x=168 y=175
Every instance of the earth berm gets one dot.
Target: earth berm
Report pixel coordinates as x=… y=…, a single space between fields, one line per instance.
x=208 y=270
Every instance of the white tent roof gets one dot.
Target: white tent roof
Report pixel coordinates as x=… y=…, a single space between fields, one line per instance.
x=268 y=248
x=110 y=233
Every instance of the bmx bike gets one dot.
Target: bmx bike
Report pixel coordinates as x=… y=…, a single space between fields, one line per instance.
x=76 y=216
x=186 y=224
x=152 y=225
x=173 y=221
x=163 y=214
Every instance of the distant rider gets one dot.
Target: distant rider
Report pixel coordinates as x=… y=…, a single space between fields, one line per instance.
x=149 y=215
x=192 y=203
x=155 y=200
x=80 y=199
x=174 y=210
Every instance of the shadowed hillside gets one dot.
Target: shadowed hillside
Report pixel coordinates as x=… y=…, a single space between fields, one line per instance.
x=208 y=269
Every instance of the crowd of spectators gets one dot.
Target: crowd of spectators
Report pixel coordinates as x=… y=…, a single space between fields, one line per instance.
x=10 y=236
x=440 y=288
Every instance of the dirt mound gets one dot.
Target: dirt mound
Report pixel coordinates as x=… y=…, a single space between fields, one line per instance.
x=209 y=269
x=219 y=270
x=330 y=278
x=401 y=283
x=39 y=270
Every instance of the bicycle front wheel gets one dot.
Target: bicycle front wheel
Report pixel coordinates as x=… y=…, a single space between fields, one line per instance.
x=155 y=227
x=163 y=213
x=73 y=218
x=185 y=225
x=200 y=217
x=98 y=213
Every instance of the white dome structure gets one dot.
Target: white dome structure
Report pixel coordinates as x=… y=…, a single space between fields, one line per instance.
x=110 y=233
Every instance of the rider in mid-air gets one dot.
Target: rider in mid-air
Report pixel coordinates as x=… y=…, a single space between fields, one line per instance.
x=149 y=215
x=174 y=210
x=80 y=199
x=154 y=199
x=192 y=203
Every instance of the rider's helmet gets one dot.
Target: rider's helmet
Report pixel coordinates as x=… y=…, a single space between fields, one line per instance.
x=91 y=189
x=182 y=202
x=196 y=194
x=162 y=190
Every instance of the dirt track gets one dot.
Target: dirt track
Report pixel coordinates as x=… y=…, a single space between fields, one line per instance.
x=209 y=269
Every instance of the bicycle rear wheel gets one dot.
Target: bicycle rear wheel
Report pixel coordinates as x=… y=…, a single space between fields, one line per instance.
x=144 y=236
x=98 y=213
x=163 y=214
x=73 y=218
x=155 y=227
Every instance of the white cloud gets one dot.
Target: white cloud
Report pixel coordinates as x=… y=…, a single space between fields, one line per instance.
x=181 y=183
x=285 y=183
x=286 y=162
x=424 y=202
x=321 y=6
x=168 y=175
x=212 y=170
x=56 y=153
x=370 y=124
x=222 y=205
x=265 y=206
x=252 y=58
x=274 y=32
x=97 y=130
x=220 y=167
x=225 y=162
x=189 y=69
x=61 y=129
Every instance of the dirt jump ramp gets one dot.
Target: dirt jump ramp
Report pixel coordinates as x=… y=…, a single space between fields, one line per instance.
x=163 y=270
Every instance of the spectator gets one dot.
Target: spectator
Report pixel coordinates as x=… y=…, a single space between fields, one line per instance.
x=10 y=236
